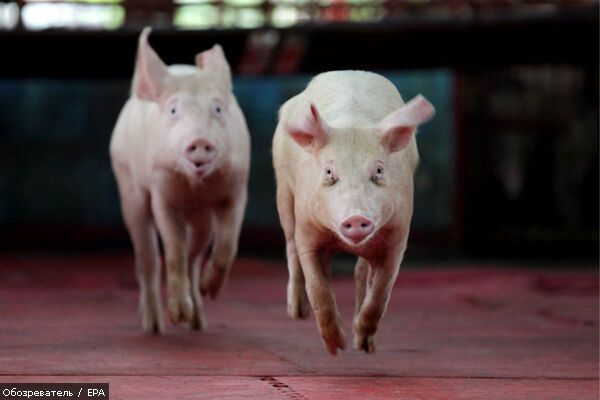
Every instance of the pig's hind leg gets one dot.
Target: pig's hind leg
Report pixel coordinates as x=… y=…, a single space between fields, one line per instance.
x=198 y=262
x=229 y=224
x=201 y=233
x=361 y=272
x=297 y=300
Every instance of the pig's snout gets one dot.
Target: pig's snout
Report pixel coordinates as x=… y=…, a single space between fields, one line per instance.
x=200 y=153
x=357 y=228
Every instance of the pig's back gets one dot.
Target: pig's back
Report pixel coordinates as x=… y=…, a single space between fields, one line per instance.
x=348 y=99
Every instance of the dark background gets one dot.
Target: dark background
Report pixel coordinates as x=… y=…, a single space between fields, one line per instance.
x=509 y=166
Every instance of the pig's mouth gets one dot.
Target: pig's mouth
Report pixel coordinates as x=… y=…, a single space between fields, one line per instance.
x=355 y=243
x=200 y=168
x=200 y=157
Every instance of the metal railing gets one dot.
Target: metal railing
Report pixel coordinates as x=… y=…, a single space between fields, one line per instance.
x=207 y=14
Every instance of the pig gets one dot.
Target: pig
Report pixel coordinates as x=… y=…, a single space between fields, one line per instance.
x=344 y=153
x=180 y=152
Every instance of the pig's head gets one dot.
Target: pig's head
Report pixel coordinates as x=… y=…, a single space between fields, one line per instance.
x=192 y=113
x=355 y=178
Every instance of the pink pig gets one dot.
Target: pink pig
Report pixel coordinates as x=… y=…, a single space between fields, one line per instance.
x=181 y=152
x=345 y=153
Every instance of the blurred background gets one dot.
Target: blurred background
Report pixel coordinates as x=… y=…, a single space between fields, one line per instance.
x=509 y=166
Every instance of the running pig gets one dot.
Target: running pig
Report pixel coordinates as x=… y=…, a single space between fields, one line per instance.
x=345 y=153
x=180 y=152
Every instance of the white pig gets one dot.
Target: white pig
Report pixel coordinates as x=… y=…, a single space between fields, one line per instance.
x=345 y=153
x=180 y=151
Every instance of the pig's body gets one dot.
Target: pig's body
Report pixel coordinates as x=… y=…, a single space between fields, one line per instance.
x=325 y=187
x=181 y=165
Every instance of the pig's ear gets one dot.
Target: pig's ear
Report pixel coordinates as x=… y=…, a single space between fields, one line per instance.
x=397 y=128
x=150 y=71
x=309 y=131
x=214 y=60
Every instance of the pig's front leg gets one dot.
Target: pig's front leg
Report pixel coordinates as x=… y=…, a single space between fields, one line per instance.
x=229 y=224
x=147 y=267
x=172 y=232
x=322 y=299
x=297 y=300
x=379 y=287
x=135 y=205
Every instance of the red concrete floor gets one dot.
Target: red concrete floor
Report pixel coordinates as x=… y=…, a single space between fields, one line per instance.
x=450 y=333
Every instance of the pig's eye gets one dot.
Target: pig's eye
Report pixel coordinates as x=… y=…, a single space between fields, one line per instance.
x=330 y=177
x=173 y=107
x=217 y=108
x=377 y=175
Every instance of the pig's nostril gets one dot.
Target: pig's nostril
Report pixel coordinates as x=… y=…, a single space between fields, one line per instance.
x=357 y=228
x=200 y=154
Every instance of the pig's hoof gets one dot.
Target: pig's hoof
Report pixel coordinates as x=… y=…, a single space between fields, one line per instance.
x=337 y=340
x=181 y=309
x=212 y=282
x=210 y=290
x=199 y=321
x=365 y=343
x=152 y=320
x=152 y=326
x=297 y=301
x=298 y=308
